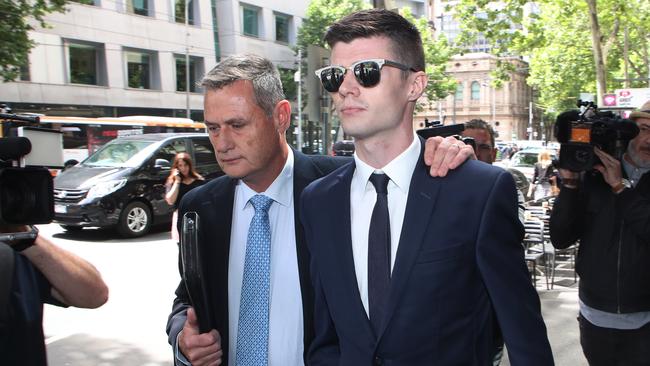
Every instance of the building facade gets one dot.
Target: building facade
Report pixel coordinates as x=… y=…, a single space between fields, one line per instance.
x=129 y=57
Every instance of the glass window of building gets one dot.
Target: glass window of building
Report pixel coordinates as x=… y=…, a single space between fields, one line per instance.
x=140 y=7
x=138 y=65
x=459 y=92
x=83 y=59
x=24 y=72
x=282 y=27
x=476 y=90
x=250 y=20
x=196 y=70
x=179 y=11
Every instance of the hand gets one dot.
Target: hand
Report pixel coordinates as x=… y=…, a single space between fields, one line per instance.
x=610 y=168
x=200 y=349
x=177 y=176
x=444 y=154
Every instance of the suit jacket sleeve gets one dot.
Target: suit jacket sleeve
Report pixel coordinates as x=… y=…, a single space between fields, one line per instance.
x=500 y=258
x=324 y=349
x=178 y=316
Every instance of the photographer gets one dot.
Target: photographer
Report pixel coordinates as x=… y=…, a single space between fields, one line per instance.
x=42 y=273
x=609 y=212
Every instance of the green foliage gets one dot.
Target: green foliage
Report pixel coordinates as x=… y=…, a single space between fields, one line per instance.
x=14 y=27
x=557 y=40
x=320 y=14
x=436 y=55
x=288 y=84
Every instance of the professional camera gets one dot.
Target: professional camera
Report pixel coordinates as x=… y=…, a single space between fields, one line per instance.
x=436 y=128
x=26 y=189
x=579 y=131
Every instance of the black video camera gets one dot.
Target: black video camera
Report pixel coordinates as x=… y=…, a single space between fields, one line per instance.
x=436 y=128
x=26 y=188
x=579 y=131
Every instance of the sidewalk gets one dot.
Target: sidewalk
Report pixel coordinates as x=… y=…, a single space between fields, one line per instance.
x=560 y=310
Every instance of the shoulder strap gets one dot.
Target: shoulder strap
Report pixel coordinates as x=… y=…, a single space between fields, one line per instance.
x=6 y=279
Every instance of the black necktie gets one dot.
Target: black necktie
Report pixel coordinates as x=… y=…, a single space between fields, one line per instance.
x=379 y=253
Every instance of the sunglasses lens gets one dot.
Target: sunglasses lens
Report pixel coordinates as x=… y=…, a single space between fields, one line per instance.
x=332 y=78
x=367 y=73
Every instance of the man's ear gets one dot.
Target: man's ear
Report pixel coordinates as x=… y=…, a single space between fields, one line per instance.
x=282 y=115
x=419 y=81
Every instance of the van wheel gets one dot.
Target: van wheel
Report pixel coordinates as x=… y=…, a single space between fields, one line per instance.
x=135 y=220
x=71 y=228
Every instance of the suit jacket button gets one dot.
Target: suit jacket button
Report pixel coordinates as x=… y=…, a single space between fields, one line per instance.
x=378 y=361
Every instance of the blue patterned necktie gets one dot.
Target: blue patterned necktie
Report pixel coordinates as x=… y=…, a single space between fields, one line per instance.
x=253 y=329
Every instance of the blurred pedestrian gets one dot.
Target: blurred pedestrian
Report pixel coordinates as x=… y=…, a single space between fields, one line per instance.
x=544 y=177
x=34 y=271
x=182 y=179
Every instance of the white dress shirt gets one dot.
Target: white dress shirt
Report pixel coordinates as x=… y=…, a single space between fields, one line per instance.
x=285 y=314
x=362 y=202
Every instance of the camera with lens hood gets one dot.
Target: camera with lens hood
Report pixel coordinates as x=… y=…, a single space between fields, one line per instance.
x=579 y=131
x=26 y=188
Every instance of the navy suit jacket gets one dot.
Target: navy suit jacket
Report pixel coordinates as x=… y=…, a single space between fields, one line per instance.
x=459 y=264
x=214 y=203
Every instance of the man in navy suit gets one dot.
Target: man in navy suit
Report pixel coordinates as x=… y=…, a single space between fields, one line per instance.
x=247 y=117
x=414 y=271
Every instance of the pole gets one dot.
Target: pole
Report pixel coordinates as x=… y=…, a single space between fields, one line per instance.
x=187 y=61
x=494 y=103
x=530 y=120
x=298 y=79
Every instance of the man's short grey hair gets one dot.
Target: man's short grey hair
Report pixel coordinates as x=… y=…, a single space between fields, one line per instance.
x=265 y=77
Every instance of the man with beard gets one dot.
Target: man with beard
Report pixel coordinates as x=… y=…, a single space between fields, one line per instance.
x=610 y=214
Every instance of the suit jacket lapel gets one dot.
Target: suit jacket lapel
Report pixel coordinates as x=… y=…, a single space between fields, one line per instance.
x=216 y=220
x=419 y=208
x=304 y=172
x=342 y=239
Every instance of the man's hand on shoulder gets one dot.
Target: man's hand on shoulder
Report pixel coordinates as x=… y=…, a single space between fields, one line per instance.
x=200 y=349
x=442 y=154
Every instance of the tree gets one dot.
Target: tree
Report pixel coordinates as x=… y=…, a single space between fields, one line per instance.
x=320 y=14
x=573 y=46
x=14 y=27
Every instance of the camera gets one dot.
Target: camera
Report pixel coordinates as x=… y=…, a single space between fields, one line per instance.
x=579 y=131
x=26 y=187
x=436 y=128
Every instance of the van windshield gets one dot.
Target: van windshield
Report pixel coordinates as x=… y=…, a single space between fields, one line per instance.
x=123 y=154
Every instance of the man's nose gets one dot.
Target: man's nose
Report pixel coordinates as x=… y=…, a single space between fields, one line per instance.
x=350 y=84
x=224 y=141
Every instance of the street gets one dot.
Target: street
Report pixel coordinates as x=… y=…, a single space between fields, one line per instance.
x=129 y=330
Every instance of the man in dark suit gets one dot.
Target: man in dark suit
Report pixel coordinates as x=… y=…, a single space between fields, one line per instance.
x=246 y=117
x=412 y=269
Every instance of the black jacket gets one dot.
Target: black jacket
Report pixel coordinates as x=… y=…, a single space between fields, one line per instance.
x=614 y=231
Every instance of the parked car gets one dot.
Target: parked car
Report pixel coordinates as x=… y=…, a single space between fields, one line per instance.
x=343 y=148
x=122 y=184
x=524 y=161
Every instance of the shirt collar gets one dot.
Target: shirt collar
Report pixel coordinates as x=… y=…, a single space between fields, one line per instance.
x=280 y=191
x=399 y=170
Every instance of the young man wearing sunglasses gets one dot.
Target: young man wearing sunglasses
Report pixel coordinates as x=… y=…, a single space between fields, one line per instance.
x=409 y=269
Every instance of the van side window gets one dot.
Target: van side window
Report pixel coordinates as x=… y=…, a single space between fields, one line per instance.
x=169 y=150
x=203 y=151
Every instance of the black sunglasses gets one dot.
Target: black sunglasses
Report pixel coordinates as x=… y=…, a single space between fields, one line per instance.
x=367 y=73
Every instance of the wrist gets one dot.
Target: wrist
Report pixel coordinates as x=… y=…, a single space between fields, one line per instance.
x=571 y=183
x=620 y=186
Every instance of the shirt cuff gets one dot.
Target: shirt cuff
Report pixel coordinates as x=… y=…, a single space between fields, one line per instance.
x=178 y=355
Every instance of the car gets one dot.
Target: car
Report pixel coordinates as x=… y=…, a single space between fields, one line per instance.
x=343 y=148
x=524 y=161
x=121 y=185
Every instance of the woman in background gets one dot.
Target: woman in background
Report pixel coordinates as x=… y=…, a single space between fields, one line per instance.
x=181 y=180
x=544 y=177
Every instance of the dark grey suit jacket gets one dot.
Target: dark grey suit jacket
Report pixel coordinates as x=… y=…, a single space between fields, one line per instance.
x=214 y=204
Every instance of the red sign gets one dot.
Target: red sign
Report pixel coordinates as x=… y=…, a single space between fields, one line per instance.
x=609 y=100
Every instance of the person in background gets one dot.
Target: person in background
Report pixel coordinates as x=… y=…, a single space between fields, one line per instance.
x=34 y=271
x=609 y=212
x=544 y=177
x=182 y=179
